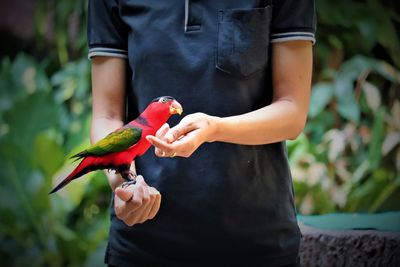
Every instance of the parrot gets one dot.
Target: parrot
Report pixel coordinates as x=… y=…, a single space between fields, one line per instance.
x=118 y=149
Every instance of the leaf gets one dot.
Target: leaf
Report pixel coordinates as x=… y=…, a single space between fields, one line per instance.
x=385 y=193
x=391 y=140
x=368 y=28
x=387 y=71
x=72 y=81
x=48 y=155
x=374 y=152
x=30 y=116
x=337 y=145
x=358 y=174
x=27 y=74
x=396 y=114
x=372 y=95
x=348 y=75
x=339 y=196
x=344 y=87
x=321 y=95
x=388 y=37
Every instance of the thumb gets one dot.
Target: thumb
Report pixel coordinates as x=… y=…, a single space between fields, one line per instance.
x=124 y=194
x=179 y=130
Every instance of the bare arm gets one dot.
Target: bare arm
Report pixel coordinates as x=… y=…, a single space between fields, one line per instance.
x=108 y=108
x=139 y=202
x=283 y=119
x=286 y=116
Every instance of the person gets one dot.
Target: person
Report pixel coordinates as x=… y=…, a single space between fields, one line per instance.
x=218 y=190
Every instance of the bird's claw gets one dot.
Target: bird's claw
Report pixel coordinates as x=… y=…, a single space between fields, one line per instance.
x=128 y=183
x=132 y=180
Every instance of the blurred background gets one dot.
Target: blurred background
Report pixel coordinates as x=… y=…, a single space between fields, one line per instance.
x=347 y=159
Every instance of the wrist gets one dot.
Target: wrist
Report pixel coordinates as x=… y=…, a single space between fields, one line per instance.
x=114 y=179
x=215 y=124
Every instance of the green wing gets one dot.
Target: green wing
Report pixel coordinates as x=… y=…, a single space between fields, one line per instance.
x=116 y=141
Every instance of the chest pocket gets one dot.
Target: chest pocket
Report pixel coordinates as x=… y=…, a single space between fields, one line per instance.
x=243 y=39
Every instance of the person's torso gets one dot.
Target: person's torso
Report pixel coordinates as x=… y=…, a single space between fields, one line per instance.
x=226 y=199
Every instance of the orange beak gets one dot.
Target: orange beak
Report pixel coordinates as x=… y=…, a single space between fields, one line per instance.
x=175 y=108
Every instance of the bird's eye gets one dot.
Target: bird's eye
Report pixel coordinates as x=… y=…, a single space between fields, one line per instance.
x=164 y=100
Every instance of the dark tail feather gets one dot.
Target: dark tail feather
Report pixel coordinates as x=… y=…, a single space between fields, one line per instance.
x=60 y=185
x=79 y=155
x=83 y=168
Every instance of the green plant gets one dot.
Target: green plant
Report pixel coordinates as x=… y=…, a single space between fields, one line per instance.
x=40 y=125
x=349 y=157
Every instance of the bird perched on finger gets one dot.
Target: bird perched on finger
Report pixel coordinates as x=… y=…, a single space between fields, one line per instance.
x=117 y=150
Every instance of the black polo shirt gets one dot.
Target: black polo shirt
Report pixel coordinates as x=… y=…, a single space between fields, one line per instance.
x=227 y=204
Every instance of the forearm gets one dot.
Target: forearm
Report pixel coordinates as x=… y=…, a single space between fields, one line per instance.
x=283 y=119
x=279 y=121
x=108 y=109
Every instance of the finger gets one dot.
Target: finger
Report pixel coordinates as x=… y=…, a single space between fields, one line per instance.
x=162 y=131
x=161 y=145
x=178 y=131
x=159 y=152
x=140 y=215
x=156 y=203
x=125 y=194
x=130 y=211
x=138 y=195
x=152 y=195
x=124 y=210
x=122 y=206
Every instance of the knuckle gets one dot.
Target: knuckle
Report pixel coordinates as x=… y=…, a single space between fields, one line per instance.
x=176 y=135
x=129 y=222
x=119 y=212
x=140 y=189
x=138 y=202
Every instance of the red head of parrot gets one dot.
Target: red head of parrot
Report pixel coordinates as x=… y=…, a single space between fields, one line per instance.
x=160 y=109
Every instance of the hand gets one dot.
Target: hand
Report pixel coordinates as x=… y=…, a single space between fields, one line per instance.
x=183 y=139
x=136 y=203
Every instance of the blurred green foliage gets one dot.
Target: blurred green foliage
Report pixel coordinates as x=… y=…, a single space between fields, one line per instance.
x=44 y=119
x=348 y=158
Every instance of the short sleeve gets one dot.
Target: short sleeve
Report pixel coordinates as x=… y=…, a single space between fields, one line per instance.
x=107 y=33
x=293 y=20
